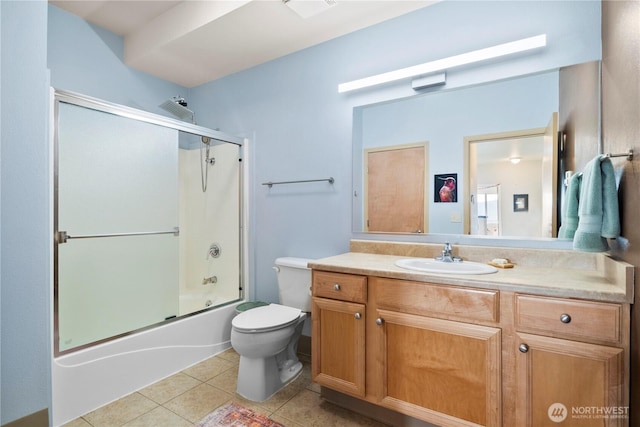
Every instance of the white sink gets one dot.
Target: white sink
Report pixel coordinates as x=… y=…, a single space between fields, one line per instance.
x=430 y=265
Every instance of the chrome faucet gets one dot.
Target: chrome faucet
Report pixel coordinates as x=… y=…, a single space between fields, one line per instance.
x=447 y=254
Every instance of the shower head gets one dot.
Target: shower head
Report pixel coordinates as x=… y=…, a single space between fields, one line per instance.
x=178 y=107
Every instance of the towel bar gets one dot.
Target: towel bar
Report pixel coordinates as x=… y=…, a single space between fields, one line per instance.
x=330 y=180
x=63 y=237
x=628 y=154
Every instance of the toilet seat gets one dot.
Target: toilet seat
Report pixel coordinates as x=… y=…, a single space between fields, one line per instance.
x=266 y=318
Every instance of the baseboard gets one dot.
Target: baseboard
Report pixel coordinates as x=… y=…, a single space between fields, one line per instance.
x=37 y=419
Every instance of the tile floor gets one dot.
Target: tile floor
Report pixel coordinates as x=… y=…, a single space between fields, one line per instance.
x=185 y=398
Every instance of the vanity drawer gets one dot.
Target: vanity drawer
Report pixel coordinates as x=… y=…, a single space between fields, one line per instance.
x=430 y=299
x=340 y=286
x=572 y=319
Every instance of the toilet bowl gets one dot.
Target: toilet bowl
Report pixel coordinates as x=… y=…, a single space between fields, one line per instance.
x=266 y=337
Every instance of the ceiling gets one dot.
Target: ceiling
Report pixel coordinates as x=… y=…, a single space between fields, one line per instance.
x=502 y=150
x=193 y=42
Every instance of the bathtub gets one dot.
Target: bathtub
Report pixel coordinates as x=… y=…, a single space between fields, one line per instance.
x=88 y=379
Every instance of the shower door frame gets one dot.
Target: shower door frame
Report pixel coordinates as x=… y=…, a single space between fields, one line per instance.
x=68 y=97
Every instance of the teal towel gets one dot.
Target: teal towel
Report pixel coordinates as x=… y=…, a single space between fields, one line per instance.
x=598 y=215
x=570 y=208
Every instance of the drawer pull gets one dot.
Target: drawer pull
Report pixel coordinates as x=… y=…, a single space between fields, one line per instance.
x=379 y=321
x=358 y=316
x=523 y=348
x=336 y=287
x=565 y=318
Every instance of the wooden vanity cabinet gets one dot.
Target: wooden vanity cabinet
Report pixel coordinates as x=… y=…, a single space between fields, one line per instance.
x=570 y=363
x=457 y=356
x=338 y=331
x=434 y=362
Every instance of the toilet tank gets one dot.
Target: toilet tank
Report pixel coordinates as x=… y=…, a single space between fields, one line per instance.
x=294 y=282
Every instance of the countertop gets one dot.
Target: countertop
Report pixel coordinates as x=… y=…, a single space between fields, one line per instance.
x=598 y=278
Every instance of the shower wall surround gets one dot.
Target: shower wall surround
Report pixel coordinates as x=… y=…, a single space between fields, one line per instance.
x=206 y=219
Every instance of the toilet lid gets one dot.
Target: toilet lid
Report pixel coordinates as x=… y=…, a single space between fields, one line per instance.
x=266 y=317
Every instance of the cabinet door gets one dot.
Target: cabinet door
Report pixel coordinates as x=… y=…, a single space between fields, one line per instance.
x=561 y=380
x=440 y=371
x=337 y=356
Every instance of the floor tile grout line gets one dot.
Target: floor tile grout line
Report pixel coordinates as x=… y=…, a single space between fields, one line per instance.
x=143 y=414
x=174 y=412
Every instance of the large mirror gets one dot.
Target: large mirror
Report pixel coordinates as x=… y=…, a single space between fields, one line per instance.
x=479 y=160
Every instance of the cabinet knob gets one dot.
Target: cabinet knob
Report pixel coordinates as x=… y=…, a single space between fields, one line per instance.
x=358 y=316
x=565 y=318
x=523 y=348
x=336 y=287
x=379 y=321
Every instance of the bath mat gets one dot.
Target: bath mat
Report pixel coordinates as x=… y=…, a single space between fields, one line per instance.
x=234 y=415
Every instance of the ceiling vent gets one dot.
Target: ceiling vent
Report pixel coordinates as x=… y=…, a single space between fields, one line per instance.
x=309 y=8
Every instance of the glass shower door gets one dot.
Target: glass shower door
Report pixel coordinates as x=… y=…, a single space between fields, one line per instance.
x=117 y=218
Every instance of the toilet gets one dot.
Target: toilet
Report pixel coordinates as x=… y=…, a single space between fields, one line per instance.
x=266 y=337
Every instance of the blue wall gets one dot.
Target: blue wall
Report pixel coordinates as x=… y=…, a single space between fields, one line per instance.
x=89 y=60
x=25 y=247
x=299 y=127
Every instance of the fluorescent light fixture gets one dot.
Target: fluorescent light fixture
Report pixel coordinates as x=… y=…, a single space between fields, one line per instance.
x=447 y=63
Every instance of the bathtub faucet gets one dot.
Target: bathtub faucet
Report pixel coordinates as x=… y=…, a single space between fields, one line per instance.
x=211 y=279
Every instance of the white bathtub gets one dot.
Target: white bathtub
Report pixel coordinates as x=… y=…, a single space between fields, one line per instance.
x=90 y=378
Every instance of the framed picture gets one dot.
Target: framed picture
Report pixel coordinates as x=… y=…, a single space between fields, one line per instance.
x=445 y=188
x=520 y=202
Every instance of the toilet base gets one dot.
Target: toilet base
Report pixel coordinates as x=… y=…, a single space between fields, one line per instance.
x=290 y=371
x=259 y=379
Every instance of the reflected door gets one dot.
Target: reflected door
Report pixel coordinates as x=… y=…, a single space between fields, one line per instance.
x=523 y=162
x=488 y=210
x=395 y=189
